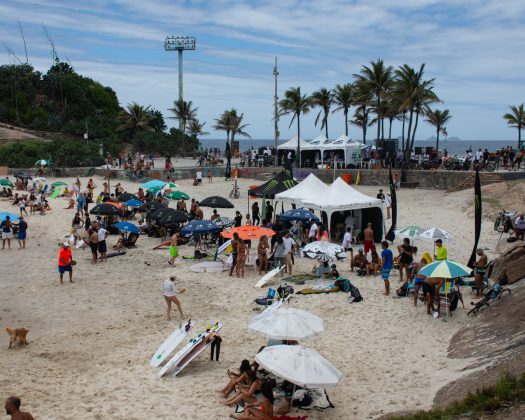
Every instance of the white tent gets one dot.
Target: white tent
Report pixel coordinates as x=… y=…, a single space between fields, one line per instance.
x=292 y=144
x=304 y=191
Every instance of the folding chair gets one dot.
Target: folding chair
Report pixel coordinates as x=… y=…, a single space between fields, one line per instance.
x=269 y=299
x=444 y=301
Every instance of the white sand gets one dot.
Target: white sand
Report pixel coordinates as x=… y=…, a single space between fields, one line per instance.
x=90 y=342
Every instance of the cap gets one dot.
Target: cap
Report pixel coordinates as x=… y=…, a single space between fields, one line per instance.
x=66 y=244
x=439 y=240
x=360 y=250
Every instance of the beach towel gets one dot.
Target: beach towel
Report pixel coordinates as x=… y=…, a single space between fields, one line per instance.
x=317 y=290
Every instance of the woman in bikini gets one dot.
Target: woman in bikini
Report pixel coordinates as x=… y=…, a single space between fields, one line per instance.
x=236 y=378
x=261 y=409
x=262 y=251
x=245 y=393
x=242 y=252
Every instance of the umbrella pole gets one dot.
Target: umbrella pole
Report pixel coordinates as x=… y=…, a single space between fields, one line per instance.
x=291 y=399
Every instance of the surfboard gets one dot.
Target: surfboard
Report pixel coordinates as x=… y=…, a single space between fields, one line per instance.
x=170 y=344
x=184 y=351
x=197 y=349
x=268 y=276
x=163 y=244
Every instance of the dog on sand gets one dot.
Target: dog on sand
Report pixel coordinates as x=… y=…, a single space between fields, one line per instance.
x=17 y=335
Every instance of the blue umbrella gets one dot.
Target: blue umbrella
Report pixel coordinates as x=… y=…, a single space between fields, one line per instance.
x=153 y=184
x=200 y=226
x=127 y=227
x=133 y=203
x=445 y=269
x=12 y=216
x=300 y=215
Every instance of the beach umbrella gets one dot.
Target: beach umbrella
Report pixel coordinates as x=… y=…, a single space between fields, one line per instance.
x=434 y=233
x=169 y=186
x=160 y=213
x=225 y=222
x=299 y=365
x=200 y=226
x=41 y=162
x=247 y=233
x=127 y=227
x=177 y=195
x=126 y=197
x=300 y=215
x=59 y=184
x=154 y=183
x=445 y=269
x=133 y=203
x=410 y=232
x=22 y=174
x=6 y=183
x=39 y=179
x=287 y=324
x=324 y=251
x=216 y=202
x=153 y=190
x=12 y=216
x=172 y=217
x=145 y=179
x=151 y=206
x=105 y=209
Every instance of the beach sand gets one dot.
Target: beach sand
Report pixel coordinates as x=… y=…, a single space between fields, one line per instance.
x=91 y=341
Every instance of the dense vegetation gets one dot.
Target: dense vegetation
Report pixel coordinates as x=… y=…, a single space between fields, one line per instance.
x=67 y=105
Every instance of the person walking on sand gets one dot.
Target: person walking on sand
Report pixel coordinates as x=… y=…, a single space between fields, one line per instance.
x=22 y=233
x=102 y=247
x=174 y=252
x=369 y=239
x=479 y=270
x=65 y=262
x=93 y=244
x=7 y=232
x=387 y=261
x=12 y=408
x=234 y=244
x=171 y=297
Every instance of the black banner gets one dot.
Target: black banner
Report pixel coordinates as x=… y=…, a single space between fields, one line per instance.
x=228 y=154
x=477 y=218
x=390 y=236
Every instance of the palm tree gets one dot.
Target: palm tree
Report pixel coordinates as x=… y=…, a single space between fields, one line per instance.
x=363 y=99
x=295 y=103
x=196 y=128
x=377 y=79
x=236 y=125
x=438 y=119
x=184 y=112
x=516 y=119
x=322 y=98
x=343 y=98
x=223 y=123
x=362 y=120
x=134 y=118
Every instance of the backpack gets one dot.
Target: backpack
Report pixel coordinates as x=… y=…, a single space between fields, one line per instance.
x=402 y=291
x=343 y=284
x=454 y=299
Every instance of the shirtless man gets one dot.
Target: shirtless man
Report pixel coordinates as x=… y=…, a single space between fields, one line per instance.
x=198 y=212
x=12 y=408
x=479 y=270
x=93 y=244
x=369 y=239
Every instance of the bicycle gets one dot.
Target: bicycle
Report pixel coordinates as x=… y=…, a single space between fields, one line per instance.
x=504 y=221
x=235 y=193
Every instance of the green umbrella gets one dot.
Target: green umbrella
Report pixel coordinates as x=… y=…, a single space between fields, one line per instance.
x=58 y=184
x=6 y=183
x=154 y=190
x=411 y=232
x=41 y=162
x=177 y=195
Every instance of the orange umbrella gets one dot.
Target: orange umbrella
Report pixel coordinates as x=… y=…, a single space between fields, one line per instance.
x=247 y=233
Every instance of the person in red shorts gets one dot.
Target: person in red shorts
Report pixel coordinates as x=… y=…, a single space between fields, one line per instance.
x=369 y=239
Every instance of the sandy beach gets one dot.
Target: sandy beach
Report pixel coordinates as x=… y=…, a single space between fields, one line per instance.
x=91 y=341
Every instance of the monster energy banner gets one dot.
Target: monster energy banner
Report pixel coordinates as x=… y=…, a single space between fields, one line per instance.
x=390 y=236
x=281 y=182
x=228 y=154
x=477 y=218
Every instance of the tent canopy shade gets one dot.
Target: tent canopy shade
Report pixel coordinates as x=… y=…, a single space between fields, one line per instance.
x=279 y=183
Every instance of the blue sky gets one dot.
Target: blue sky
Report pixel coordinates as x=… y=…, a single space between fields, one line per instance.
x=474 y=49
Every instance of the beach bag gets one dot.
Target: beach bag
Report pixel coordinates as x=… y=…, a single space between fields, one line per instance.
x=354 y=291
x=454 y=299
x=402 y=291
x=285 y=291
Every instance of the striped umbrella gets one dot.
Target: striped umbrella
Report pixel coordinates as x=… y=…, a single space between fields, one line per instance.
x=411 y=232
x=434 y=233
x=445 y=269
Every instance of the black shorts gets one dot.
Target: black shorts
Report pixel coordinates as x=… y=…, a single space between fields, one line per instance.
x=94 y=248
x=427 y=288
x=102 y=248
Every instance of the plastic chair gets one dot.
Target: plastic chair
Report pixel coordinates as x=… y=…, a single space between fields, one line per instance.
x=444 y=302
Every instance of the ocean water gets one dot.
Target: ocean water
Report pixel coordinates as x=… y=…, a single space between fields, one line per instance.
x=454 y=147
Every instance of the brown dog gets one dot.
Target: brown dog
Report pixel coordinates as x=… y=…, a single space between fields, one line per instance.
x=17 y=335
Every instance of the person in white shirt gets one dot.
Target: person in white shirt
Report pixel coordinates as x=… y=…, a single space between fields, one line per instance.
x=199 y=177
x=347 y=242
x=288 y=250
x=312 y=233
x=388 y=204
x=102 y=247
x=169 y=295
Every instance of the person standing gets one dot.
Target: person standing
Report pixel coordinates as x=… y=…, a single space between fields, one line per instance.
x=93 y=244
x=262 y=252
x=256 y=214
x=7 y=232
x=199 y=177
x=479 y=271
x=242 y=252
x=269 y=212
x=289 y=246
x=22 y=205
x=441 y=251
x=65 y=262
x=380 y=195
x=388 y=204
x=170 y=295
x=312 y=232
x=280 y=252
x=22 y=233
x=387 y=261
x=369 y=244
x=347 y=243
x=12 y=408
x=234 y=243
x=237 y=219
x=102 y=247
x=174 y=252
x=248 y=220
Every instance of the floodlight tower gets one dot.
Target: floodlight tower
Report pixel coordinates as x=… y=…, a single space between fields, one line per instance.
x=179 y=43
x=276 y=114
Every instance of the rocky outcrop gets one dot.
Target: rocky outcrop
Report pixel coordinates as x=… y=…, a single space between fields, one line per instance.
x=511 y=264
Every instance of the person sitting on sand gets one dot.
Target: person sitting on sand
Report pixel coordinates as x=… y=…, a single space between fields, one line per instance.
x=260 y=409
x=236 y=378
x=120 y=242
x=245 y=393
x=170 y=296
x=405 y=257
x=321 y=269
x=358 y=261
x=419 y=279
x=71 y=204
x=334 y=274
x=374 y=266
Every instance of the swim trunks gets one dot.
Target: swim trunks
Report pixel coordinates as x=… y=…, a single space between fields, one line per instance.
x=385 y=272
x=173 y=251
x=369 y=246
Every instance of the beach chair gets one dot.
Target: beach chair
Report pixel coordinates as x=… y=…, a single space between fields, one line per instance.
x=444 y=297
x=270 y=298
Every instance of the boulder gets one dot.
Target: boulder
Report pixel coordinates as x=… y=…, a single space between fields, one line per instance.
x=511 y=263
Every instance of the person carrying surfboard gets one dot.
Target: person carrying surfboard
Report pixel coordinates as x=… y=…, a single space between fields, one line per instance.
x=170 y=295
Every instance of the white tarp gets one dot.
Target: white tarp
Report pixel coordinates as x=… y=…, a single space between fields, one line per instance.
x=292 y=144
x=304 y=191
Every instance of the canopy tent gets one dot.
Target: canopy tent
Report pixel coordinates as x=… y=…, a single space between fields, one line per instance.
x=343 y=147
x=292 y=144
x=279 y=183
x=304 y=191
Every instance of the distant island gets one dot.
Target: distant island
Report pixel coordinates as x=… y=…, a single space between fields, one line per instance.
x=433 y=138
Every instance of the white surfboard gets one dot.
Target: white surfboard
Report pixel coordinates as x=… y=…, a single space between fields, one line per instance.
x=186 y=349
x=197 y=349
x=268 y=276
x=170 y=344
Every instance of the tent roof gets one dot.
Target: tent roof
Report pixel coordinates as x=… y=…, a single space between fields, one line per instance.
x=292 y=144
x=341 y=196
x=279 y=183
x=304 y=191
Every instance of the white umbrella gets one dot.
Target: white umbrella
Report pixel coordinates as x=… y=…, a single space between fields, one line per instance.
x=324 y=251
x=287 y=324
x=299 y=365
x=434 y=233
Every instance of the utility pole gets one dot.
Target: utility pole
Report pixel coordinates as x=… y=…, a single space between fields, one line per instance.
x=179 y=44
x=276 y=114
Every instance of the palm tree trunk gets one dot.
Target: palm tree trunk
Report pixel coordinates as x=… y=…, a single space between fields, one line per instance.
x=403 y=132
x=346 y=121
x=382 y=128
x=437 y=137
x=519 y=136
x=378 y=110
x=364 y=132
x=414 y=132
x=298 y=140
x=326 y=125
x=390 y=120
x=407 y=143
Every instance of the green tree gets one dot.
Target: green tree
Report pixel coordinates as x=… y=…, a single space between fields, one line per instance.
x=134 y=119
x=377 y=79
x=183 y=112
x=196 y=128
x=363 y=101
x=156 y=121
x=343 y=98
x=295 y=103
x=438 y=119
x=323 y=99
x=223 y=123
x=362 y=120
x=236 y=125
x=516 y=119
